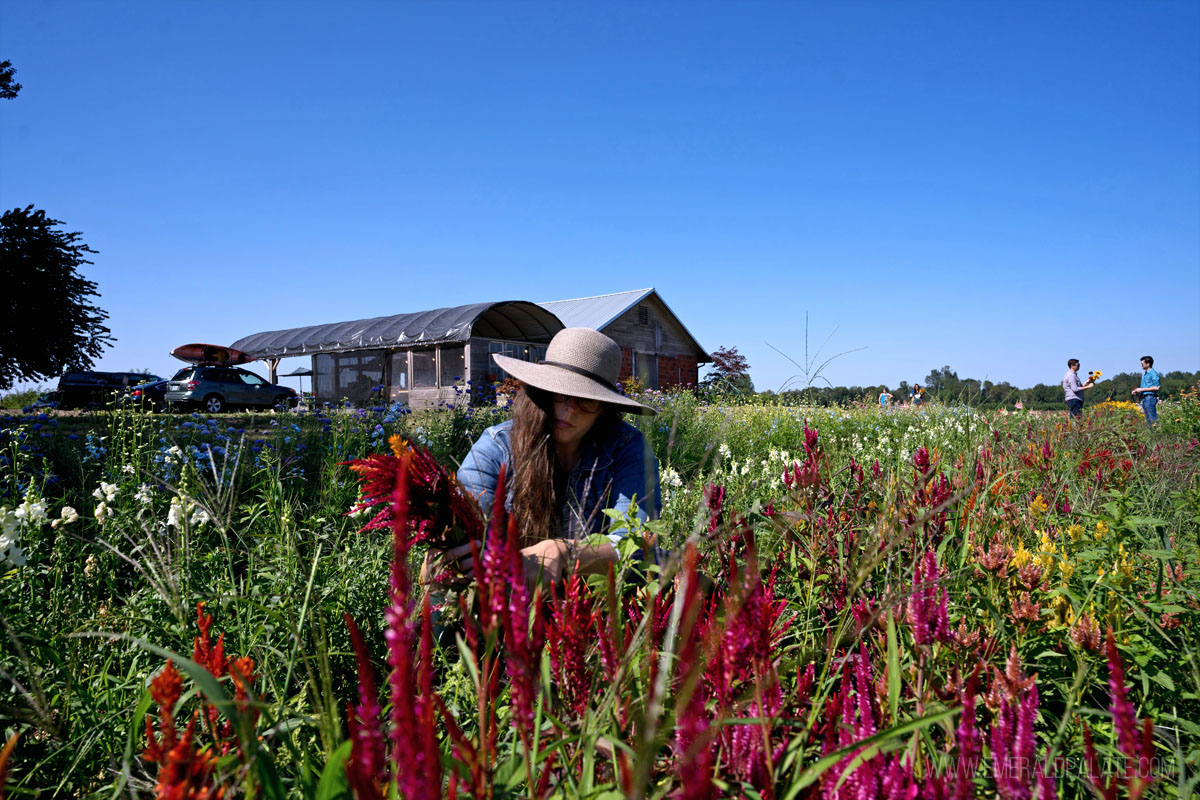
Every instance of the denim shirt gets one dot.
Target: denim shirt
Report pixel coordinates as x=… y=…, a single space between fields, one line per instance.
x=1151 y=380
x=608 y=475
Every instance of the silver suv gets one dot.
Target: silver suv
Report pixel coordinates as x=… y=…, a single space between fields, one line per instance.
x=216 y=389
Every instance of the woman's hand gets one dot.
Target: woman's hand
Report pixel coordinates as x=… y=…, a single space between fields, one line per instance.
x=545 y=561
x=448 y=567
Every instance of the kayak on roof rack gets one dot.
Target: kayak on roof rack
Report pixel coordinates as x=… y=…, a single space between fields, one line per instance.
x=211 y=355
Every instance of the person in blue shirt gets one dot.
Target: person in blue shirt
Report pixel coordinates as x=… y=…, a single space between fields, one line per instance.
x=885 y=397
x=1148 y=391
x=568 y=455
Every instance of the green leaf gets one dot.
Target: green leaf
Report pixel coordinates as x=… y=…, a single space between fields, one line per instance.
x=1049 y=654
x=333 y=783
x=1164 y=679
x=893 y=667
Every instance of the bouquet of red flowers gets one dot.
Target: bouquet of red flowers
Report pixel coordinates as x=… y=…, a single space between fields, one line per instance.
x=441 y=512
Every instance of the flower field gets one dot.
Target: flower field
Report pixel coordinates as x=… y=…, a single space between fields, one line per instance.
x=923 y=603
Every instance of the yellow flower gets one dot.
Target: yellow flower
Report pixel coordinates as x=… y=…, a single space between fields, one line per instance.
x=1067 y=569
x=1020 y=556
x=1038 y=507
x=1075 y=531
x=1101 y=529
x=1048 y=544
x=1061 y=607
x=1123 y=564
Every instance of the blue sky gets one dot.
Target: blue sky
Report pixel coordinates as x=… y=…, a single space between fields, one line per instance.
x=992 y=186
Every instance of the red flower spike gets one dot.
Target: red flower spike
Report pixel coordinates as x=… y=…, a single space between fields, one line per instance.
x=693 y=734
x=187 y=773
x=569 y=635
x=366 y=769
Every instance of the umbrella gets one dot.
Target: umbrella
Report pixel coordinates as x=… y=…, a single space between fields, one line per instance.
x=299 y=372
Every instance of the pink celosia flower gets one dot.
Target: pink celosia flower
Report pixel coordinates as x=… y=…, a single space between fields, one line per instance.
x=927 y=608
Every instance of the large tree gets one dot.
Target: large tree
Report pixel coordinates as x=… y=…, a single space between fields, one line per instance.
x=729 y=372
x=47 y=324
x=8 y=87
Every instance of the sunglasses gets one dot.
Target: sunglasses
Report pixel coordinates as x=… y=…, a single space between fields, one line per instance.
x=584 y=404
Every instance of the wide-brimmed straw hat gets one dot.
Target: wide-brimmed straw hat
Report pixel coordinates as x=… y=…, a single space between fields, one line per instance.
x=580 y=362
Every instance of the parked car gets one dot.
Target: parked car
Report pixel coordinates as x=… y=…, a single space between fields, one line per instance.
x=92 y=388
x=149 y=396
x=146 y=396
x=216 y=389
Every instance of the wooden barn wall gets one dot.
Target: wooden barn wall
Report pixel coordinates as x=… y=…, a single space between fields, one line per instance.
x=677 y=361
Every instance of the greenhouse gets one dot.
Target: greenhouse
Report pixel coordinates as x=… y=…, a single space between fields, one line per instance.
x=423 y=359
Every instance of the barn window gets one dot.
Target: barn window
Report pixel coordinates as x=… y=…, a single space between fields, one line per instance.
x=520 y=350
x=643 y=315
x=424 y=369
x=453 y=367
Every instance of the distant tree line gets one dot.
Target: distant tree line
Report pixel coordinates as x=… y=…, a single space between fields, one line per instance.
x=945 y=386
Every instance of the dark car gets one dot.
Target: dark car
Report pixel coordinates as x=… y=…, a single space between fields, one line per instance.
x=216 y=389
x=93 y=389
x=148 y=396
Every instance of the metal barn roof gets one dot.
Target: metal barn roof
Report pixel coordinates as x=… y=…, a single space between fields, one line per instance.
x=602 y=310
x=596 y=312
x=510 y=319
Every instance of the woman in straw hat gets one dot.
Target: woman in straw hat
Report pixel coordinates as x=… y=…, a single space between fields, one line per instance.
x=569 y=456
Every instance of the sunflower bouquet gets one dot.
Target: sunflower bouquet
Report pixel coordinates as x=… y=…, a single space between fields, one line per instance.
x=1094 y=376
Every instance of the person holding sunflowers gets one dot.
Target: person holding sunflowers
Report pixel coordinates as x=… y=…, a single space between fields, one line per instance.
x=1073 y=388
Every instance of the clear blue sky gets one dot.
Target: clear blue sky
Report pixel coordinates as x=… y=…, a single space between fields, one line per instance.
x=993 y=186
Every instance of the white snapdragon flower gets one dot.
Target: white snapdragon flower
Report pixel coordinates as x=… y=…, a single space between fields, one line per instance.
x=128 y=469
x=11 y=554
x=671 y=478
x=106 y=492
x=144 y=494
x=175 y=513
x=199 y=516
x=103 y=512
x=174 y=453
x=32 y=511
x=67 y=516
x=724 y=451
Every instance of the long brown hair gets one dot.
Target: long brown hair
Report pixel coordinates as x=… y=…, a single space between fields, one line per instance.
x=538 y=479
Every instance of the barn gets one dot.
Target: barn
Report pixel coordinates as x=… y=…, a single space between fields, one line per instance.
x=655 y=344
x=428 y=358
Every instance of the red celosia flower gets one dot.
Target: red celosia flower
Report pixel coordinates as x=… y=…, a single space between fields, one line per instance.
x=204 y=652
x=1015 y=699
x=927 y=608
x=439 y=510
x=970 y=748
x=419 y=772
x=1086 y=632
x=693 y=731
x=366 y=768
x=186 y=773
x=569 y=636
x=165 y=690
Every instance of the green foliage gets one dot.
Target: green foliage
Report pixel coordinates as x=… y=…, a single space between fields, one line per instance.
x=47 y=324
x=21 y=399
x=248 y=514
